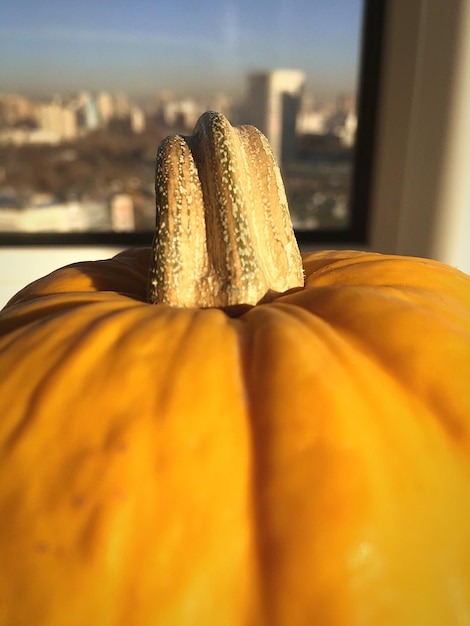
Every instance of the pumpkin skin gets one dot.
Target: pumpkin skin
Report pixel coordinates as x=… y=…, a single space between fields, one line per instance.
x=307 y=462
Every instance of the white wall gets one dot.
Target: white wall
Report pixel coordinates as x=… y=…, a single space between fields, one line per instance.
x=20 y=266
x=421 y=195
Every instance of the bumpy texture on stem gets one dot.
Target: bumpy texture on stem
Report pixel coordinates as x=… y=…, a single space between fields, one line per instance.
x=224 y=235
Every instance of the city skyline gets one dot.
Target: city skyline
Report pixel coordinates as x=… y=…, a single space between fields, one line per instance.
x=193 y=49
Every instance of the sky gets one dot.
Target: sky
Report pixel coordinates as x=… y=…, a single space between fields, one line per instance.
x=191 y=47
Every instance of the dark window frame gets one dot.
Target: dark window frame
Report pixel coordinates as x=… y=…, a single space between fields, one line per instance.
x=356 y=232
x=370 y=64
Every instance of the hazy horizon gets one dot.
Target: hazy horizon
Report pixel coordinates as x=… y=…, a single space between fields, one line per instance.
x=192 y=49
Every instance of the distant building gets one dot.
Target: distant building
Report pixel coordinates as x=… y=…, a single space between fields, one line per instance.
x=15 y=109
x=273 y=103
x=181 y=113
x=122 y=106
x=346 y=102
x=105 y=106
x=58 y=121
x=311 y=122
x=137 y=120
x=344 y=126
x=331 y=119
x=87 y=110
x=122 y=213
x=347 y=133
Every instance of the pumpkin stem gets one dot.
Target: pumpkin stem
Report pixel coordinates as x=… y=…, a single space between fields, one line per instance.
x=223 y=236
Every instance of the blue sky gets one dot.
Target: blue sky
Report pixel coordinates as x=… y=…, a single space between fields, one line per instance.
x=189 y=46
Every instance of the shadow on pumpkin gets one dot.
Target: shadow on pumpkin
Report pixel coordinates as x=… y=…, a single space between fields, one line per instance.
x=126 y=273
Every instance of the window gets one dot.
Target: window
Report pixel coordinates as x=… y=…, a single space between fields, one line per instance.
x=89 y=90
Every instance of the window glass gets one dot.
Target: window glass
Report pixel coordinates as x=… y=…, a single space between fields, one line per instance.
x=89 y=89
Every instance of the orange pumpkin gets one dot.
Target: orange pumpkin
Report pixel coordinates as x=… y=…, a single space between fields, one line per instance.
x=304 y=462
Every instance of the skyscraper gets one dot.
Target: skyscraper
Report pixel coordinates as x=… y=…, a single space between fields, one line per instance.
x=58 y=120
x=104 y=103
x=274 y=99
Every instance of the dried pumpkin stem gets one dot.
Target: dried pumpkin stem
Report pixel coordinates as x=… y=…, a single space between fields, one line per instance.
x=224 y=236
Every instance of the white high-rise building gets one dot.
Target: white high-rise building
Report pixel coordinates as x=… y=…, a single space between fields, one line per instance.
x=105 y=105
x=274 y=100
x=59 y=121
x=137 y=119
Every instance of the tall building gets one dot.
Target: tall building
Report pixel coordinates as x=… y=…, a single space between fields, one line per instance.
x=105 y=105
x=274 y=100
x=59 y=121
x=137 y=120
x=122 y=106
x=87 y=110
x=14 y=109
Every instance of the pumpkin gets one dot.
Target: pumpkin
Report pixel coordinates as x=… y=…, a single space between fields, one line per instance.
x=304 y=459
